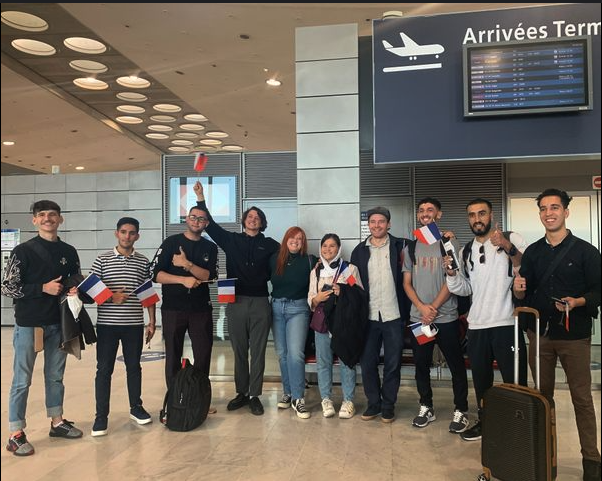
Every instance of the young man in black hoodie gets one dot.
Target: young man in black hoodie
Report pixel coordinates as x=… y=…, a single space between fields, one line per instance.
x=249 y=318
x=34 y=278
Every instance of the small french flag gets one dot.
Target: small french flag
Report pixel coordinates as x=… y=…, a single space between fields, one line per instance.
x=347 y=275
x=200 y=160
x=147 y=295
x=420 y=336
x=225 y=290
x=95 y=288
x=428 y=234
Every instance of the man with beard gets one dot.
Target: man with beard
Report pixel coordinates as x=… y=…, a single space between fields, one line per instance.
x=486 y=272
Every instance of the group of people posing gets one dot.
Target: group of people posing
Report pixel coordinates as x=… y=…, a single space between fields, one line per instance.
x=358 y=308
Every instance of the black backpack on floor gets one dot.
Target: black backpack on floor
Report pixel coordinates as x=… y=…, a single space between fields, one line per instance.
x=187 y=400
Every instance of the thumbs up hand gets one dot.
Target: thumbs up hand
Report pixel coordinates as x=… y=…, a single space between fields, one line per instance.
x=53 y=287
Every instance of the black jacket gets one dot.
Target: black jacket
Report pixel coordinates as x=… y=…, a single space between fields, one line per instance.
x=360 y=257
x=75 y=330
x=347 y=319
x=247 y=257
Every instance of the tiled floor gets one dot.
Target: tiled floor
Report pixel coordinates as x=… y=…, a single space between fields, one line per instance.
x=240 y=446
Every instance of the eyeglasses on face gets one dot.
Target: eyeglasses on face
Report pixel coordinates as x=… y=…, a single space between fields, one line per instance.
x=482 y=256
x=197 y=218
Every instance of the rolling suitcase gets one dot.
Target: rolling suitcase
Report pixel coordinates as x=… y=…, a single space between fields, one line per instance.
x=518 y=426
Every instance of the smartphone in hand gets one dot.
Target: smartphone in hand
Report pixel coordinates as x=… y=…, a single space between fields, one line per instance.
x=556 y=299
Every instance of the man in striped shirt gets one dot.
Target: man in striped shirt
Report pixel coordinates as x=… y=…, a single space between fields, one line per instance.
x=121 y=318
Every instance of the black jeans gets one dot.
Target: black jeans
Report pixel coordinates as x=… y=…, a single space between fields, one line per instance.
x=448 y=340
x=131 y=338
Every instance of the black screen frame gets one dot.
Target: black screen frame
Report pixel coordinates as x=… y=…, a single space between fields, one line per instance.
x=469 y=49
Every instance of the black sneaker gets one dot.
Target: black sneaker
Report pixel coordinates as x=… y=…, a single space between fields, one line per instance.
x=388 y=416
x=285 y=401
x=139 y=414
x=100 y=426
x=425 y=416
x=65 y=430
x=300 y=409
x=472 y=434
x=19 y=446
x=371 y=413
x=591 y=470
x=239 y=401
x=256 y=406
x=459 y=422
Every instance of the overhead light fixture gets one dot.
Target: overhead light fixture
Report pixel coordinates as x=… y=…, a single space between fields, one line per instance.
x=133 y=82
x=24 y=21
x=131 y=109
x=163 y=118
x=273 y=82
x=8 y=142
x=33 y=47
x=187 y=135
x=182 y=142
x=131 y=96
x=232 y=148
x=195 y=118
x=88 y=66
x=167 y=108
x=157 y=136
x=80 y=167
x=192 y=127
x=160 y=128
x=128 y=119
x=216 y=134
x=211 y=142
x=178 y=149
x=392 y=14
x=91 y=83
x=85 y=45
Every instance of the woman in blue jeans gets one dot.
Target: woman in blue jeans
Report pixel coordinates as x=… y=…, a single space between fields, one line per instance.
x=290 y=268
x=324 y=279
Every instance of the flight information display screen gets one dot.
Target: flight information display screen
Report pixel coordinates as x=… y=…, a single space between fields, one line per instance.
x=506 y=78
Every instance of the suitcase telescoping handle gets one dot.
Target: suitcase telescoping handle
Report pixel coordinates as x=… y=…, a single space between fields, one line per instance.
x=535 y=312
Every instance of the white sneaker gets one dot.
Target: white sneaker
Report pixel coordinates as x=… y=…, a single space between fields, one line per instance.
x=299 y=407
x=347 y=410
x=327 y=408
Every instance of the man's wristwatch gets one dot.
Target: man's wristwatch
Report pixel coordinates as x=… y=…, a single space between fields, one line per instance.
x=513 y=250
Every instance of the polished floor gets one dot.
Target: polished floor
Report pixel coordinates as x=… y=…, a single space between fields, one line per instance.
x=239 y=446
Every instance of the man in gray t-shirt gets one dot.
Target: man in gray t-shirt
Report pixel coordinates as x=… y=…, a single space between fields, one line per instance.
x=432 y=303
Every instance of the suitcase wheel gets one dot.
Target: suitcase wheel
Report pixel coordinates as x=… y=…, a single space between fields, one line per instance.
x=482 y=477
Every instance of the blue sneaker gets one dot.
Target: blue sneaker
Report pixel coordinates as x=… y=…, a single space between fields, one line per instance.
x=139 y=414
x=100 y=426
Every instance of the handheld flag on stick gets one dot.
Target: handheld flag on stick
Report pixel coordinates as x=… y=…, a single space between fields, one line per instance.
x=95 y=288
x=225 y=290
x=146 y=293
x=419 y=334
x=428 y=234
x=200 y=160
x=347 y=275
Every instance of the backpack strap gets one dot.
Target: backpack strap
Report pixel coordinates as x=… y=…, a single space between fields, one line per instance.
x=412 y=250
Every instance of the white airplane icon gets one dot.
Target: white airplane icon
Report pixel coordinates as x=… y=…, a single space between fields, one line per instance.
x=412 y=50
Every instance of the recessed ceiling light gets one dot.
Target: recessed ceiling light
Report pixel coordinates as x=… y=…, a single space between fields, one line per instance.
x=85 y=45
x=128 y=119
x=80 y=167
x=91 y=83
x=211 y=142
x=167 y=108
x=133 y=82
x=157 y=136
x=131 y=109
x=131 y=96
x=88 y=66
x=192 y=127
x=160 y=128
x=178 y=149
x=24 y=21
x=205 y=148
x=187 y=135
x=182 y=142
x=195 y=118
x=33 y=47
x=273 y=82
x=232 y=148
x=163 y=118
x=216 y=134
x=8 y=142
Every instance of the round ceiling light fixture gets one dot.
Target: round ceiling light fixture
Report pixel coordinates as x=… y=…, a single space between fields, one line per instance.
x=131 y=97
x=24 y=21
x=232 y=148
x=90 y=83
x=187 y=135
x=88 y=66
x=133 y=82
x=167 y=108
x=160 y=128
x=128 y=119
x=195 y=118
x=131 y=109
x=85 y=45
x=272 y=82
x=211 y=142
x=163 y=118
x=192 y=127
x=182 y=142
x=33 y=47
x=216 y=134
x=157 y=136
x=179 y=149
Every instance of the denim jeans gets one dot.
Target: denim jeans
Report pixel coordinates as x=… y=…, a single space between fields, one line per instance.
x=290 y=323
x=23 y=363
x=131 y=338
x=324 y=359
